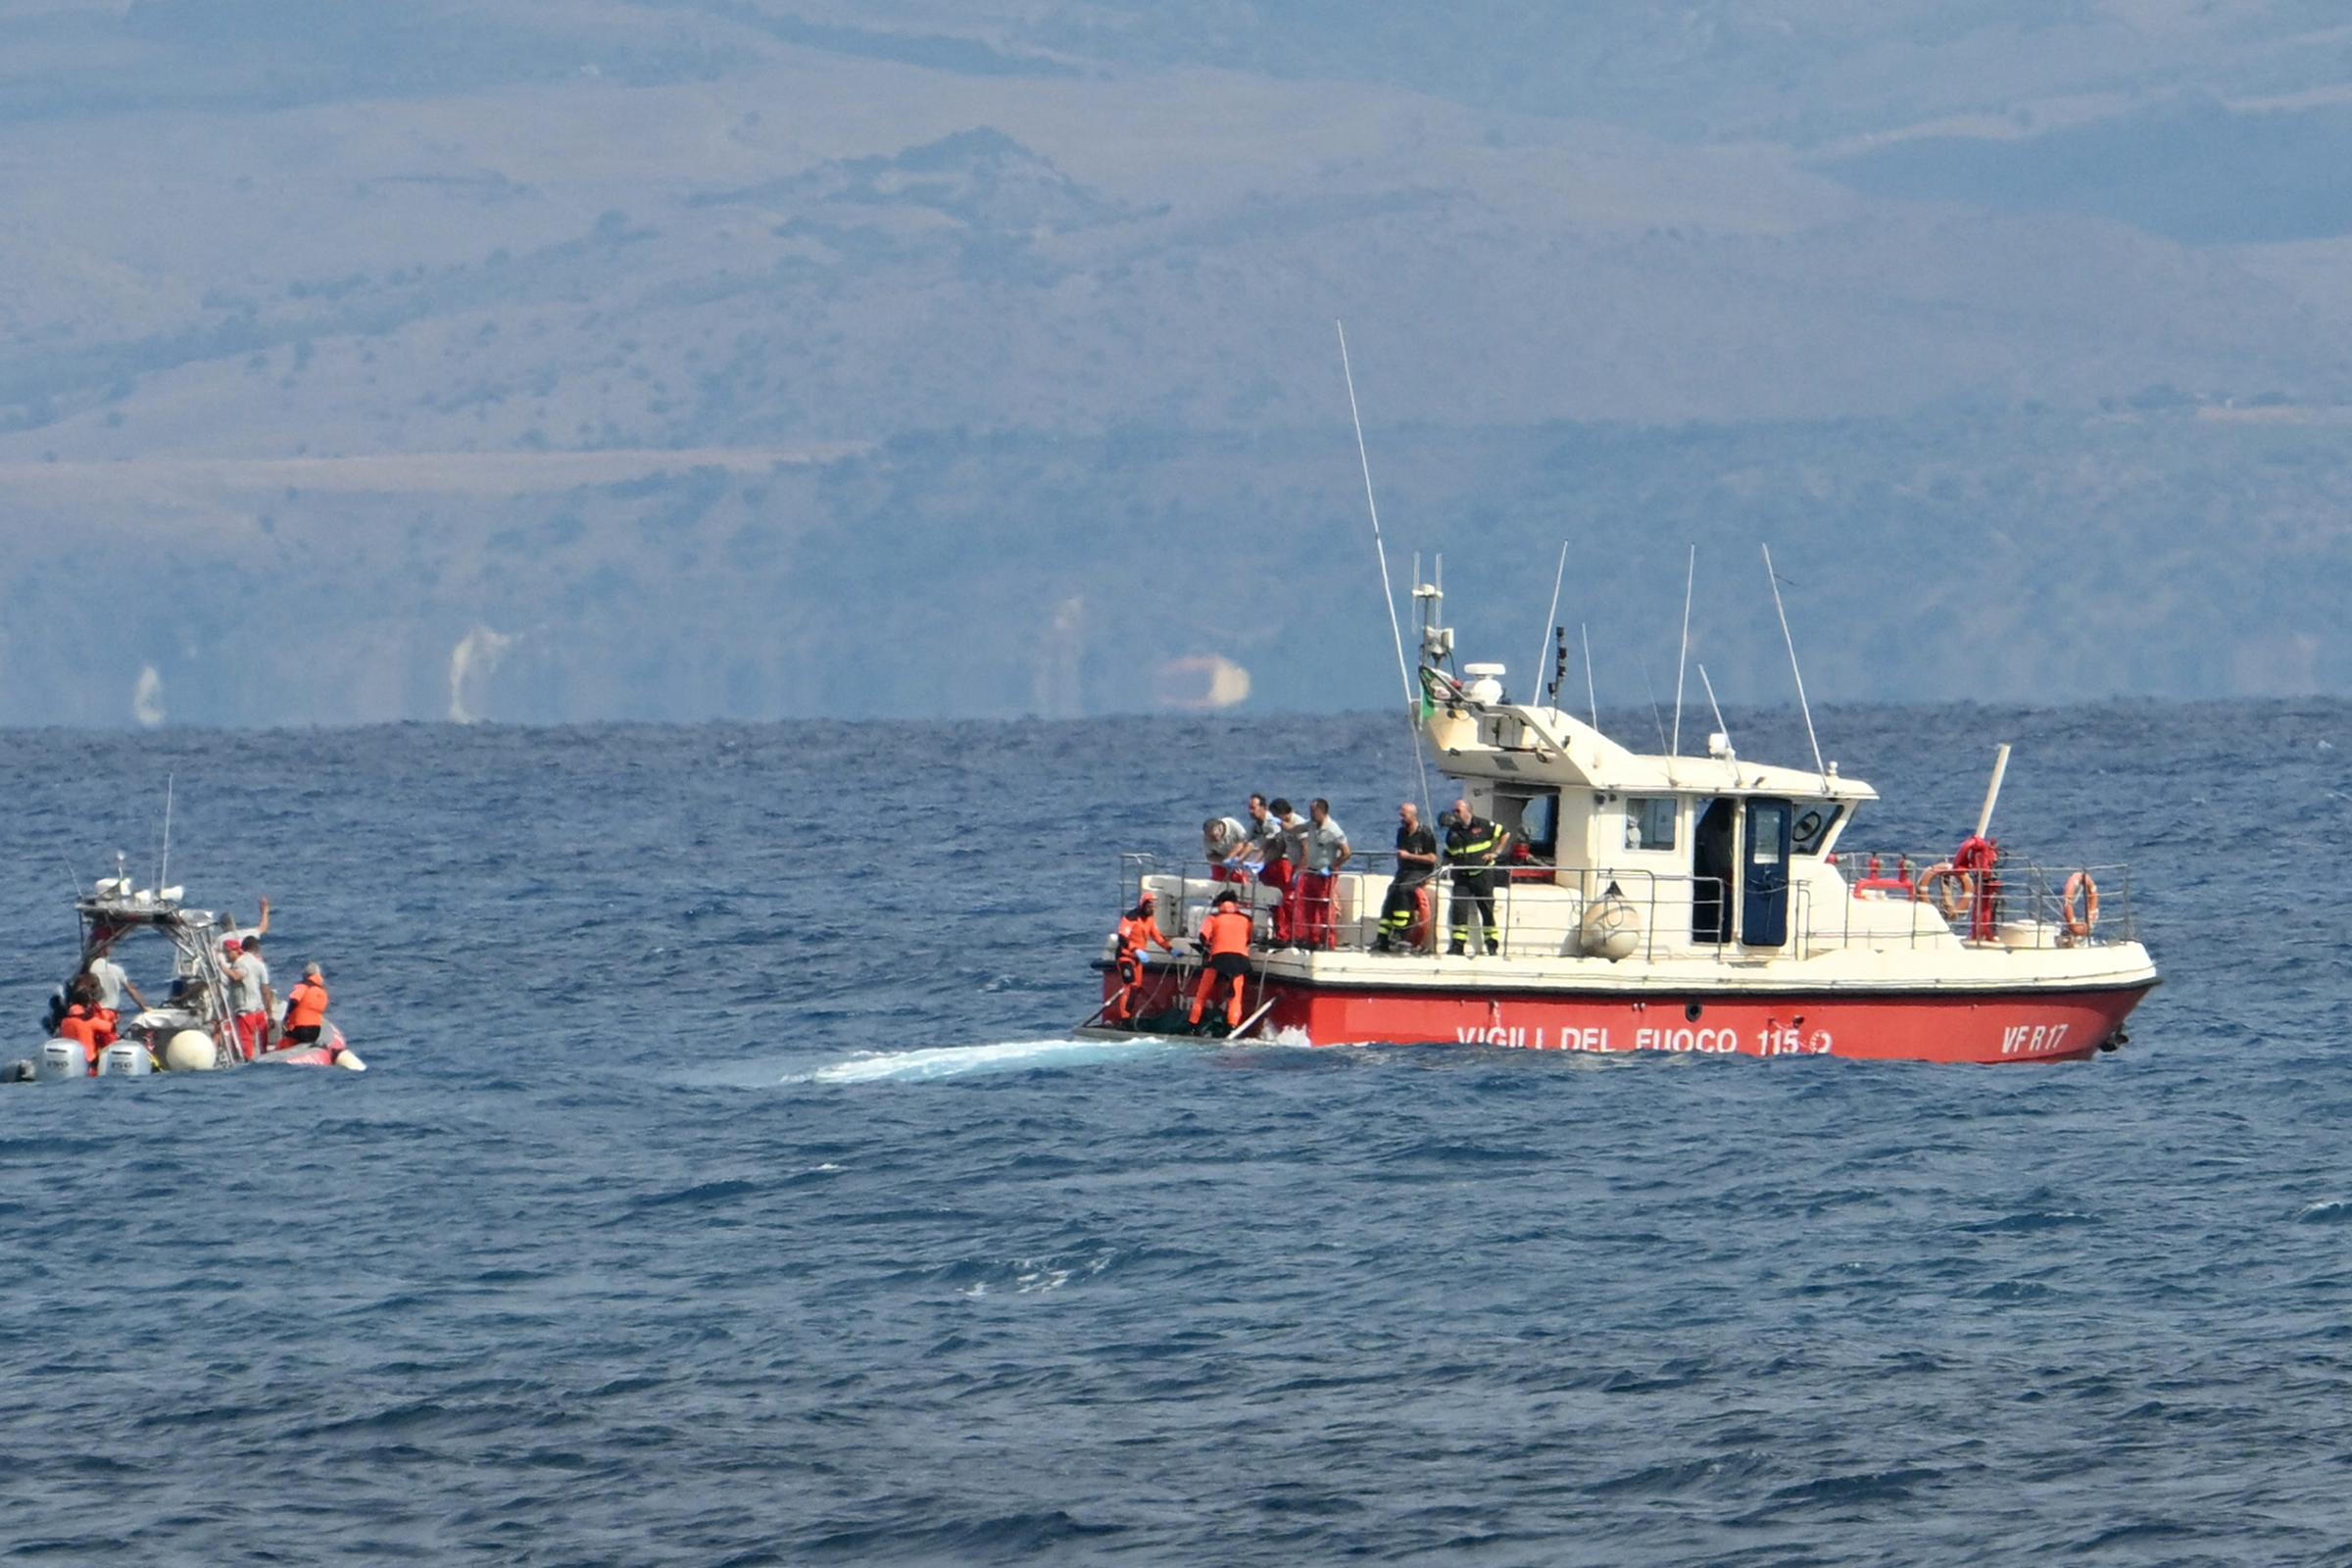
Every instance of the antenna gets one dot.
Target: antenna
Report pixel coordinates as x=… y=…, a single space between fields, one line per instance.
x=1591 y=703
x=1720 y=725
x=1689 y=578
x=1993 y=791
x=163 y=869
x=1559 y=665
x=1387 y=594
x=1810 y=737
x=1651 y=692
x=1558 y=577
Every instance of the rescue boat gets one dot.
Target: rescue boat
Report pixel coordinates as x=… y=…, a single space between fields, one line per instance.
x=1657 y=903
x=193 y=1027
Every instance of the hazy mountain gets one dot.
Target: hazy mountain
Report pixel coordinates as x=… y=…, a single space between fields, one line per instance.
x=564 y=359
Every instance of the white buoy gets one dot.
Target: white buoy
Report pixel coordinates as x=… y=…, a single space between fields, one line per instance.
x=1612 y=929
x=190 y=1051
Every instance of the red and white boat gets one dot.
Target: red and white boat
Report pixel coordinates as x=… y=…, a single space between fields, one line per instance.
x=1685 y=905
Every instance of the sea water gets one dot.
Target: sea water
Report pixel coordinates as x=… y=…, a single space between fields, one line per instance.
x=728 y=1185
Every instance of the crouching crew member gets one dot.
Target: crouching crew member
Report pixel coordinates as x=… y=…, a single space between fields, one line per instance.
x=1139 y=929
x=1472 y=846
x=306 y=1008
x=1227 y=844
x=1406 y=904
x=1225 y=939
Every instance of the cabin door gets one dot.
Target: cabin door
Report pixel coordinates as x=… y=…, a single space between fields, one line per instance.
x=1712 y=863
x=1764 y=885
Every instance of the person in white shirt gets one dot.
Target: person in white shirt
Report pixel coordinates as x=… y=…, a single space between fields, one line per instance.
x=112 y=983
x=1324 y=852
x=250 y=995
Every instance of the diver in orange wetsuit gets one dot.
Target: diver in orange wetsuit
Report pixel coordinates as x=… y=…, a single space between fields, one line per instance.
x=79 y=1027
x=1138 y=930
x=1225 y=937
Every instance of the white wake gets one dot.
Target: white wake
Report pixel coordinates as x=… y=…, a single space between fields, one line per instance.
x=956 y=1061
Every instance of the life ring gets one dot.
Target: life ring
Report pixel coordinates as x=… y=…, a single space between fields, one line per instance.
x=1952 y=889
x=2082 y=917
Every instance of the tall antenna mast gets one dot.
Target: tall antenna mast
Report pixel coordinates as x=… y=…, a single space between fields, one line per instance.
x=1591 y=703
x=1723 y=728
x=1682 y=662
x=1558 y=577
x=1810 y=737
x=163 y=869
x=1387 y=594
x=1651 y=692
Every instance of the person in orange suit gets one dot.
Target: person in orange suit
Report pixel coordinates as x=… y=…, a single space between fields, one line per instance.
x=1138 y=928
x=306 y=1008
x=1225 y=939
x=78 y=1026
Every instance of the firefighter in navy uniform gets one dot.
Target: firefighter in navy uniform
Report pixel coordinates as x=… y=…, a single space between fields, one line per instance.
x=1472 y=847
x=1416 y=864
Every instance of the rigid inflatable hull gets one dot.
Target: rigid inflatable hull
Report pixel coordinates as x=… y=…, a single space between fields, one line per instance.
x=2054 y=1024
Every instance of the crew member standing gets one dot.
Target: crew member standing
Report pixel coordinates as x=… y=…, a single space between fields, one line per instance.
x=1271 y=833
x=1472 y=846
x=1416 y=864
x=112 y=983
x=1326 y=852
x=1225 y=939
x=251 y=997
x=306 y=1008
x=1289 y=842
x=1139 y=929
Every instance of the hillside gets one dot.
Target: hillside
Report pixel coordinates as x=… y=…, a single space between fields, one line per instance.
x=570 y=358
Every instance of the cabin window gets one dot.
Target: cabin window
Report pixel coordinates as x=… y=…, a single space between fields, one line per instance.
x=1534 y=820
x=1811 y=829
x=1650 y=821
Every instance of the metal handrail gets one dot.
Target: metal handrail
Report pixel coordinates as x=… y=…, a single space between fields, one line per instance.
x=2030 y=906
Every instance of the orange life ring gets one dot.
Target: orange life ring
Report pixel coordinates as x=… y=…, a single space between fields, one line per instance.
x=1952 y=889
x=2087 y=922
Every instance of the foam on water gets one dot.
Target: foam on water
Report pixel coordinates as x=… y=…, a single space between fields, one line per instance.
x=957 y=1062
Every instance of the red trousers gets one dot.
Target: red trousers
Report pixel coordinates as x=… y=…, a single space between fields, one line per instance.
x=1279 y=876
x=1311 y=923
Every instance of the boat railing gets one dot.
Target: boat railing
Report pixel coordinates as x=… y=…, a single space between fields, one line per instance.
x=1677 y=915
x=2023 y=905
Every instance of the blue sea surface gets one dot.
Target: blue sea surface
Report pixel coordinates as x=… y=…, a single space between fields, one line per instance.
x=727 y=1187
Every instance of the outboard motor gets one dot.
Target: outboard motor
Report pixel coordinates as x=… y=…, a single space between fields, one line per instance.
x=61 y=1058
x=125 y=1058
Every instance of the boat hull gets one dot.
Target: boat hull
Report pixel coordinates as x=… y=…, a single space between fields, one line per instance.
x=1921 y=1024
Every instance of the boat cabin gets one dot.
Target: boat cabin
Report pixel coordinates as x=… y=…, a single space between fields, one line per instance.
x=1714 y=851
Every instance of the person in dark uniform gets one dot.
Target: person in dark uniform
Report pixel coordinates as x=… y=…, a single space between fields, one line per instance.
x=1472 y=846
x=1416 y=864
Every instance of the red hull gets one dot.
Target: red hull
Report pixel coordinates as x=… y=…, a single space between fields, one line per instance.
x=1915 y=1026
